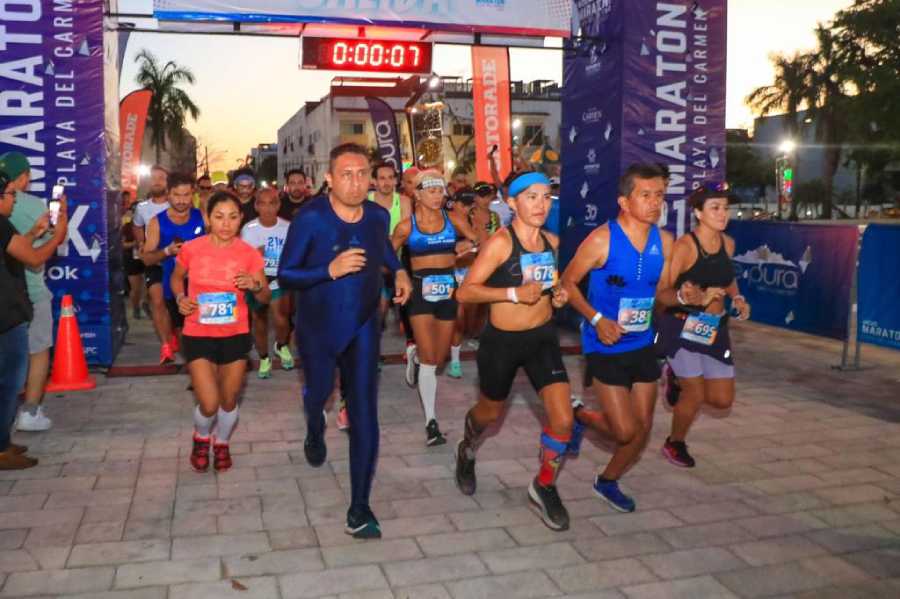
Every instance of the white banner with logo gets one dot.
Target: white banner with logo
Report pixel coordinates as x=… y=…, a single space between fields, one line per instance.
x=517 y=17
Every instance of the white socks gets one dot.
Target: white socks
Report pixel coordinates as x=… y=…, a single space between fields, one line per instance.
x=202 y=424
x=428 y=389
x=223 y=420
x=225 y=425
x=454 y=353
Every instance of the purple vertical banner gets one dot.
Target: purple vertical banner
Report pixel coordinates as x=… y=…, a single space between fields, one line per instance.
x=386 y=133
x=591 y=120
x=52 y=110
x=643 y=81
x=674 y=110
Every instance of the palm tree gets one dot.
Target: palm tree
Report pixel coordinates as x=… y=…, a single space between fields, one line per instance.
x=170 y=104
x=829 y=107
x=788 y=92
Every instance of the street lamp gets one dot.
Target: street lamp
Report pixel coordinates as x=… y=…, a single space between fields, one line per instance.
x=516 y=123
x=784 y=177
x=143 y=170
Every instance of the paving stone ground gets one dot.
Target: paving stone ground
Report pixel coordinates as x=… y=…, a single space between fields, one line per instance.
x=796 y=494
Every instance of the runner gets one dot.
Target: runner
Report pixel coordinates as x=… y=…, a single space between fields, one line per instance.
x=166 y=232
x=470 y=317
x=131 y=262
x=408 y=190
x=267 y=234
x=693 y=331
x=617 y=337
x=334 y=254
x=204 y=191
x=220 y=268
x=244 y=181
x=157 y=201
x=432 y=235
x=515 y=274
x=398 y=206
x=296 y=193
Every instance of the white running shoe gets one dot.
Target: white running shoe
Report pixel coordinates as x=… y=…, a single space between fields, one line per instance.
x=32 y=424
x=412 y=366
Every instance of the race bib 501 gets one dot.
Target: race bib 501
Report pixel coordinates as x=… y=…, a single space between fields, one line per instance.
x=436 y=288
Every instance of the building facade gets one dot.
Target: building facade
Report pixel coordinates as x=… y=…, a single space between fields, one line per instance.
x=343 y=116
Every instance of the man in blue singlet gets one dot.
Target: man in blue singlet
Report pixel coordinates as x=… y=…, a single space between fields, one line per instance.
x=166 y=233
x=335 y=250
x=626 y=260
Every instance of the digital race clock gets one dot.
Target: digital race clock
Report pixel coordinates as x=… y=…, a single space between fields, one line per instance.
x=352 y=54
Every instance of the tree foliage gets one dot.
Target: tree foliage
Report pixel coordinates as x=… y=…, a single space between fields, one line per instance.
x=849 y=86
x=170 y=105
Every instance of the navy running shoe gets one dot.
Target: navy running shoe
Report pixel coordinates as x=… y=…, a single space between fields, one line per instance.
x=609 y=491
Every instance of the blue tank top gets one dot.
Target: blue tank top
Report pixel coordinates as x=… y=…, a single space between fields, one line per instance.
x=428 y=244
x=624 y=289
x=168 y=231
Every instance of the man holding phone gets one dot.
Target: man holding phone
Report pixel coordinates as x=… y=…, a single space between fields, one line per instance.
x=165 y=234
x=27 y=210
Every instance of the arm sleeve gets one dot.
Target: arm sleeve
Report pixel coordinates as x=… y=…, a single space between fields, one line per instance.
x=390 y=257
x=293 y=271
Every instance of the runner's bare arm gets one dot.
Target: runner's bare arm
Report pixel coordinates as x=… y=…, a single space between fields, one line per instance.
x=401 y=233
x=592 y=253
x=185 y=304
x=492 y=254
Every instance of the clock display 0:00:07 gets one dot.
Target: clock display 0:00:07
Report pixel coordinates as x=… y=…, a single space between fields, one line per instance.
x=366 y=55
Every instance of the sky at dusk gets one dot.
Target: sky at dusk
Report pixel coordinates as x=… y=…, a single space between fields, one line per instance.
x=248 y=87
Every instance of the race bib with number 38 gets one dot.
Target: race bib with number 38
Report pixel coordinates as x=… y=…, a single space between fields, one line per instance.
x=437 y=288
x=540 y=268
x=701 y=328
x=218 y=308
x=635 y=313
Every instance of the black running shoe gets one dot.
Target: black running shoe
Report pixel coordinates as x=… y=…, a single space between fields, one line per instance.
x=465 y=471
x=548 y=504
x=362 y=524
x=676 y=452
x=671 y=388
x=434 y=434
x=315 y=450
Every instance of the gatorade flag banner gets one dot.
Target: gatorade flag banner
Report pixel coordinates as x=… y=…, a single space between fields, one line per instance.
x=796 y=276
x=879 y=286
x=386 y=133
x=516 y=17
x=56 y=69
x=132 y=120
x=644 y=82
x=492 y=110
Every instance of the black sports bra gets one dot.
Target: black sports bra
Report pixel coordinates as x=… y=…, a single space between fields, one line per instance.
x=509 y=274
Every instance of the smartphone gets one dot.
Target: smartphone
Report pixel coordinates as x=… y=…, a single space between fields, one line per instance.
x=57 y=192
x=54 y=212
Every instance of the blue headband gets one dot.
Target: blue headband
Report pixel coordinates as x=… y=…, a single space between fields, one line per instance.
x=524 y=181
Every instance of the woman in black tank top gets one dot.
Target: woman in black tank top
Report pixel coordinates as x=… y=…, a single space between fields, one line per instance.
x=515 y=275
x=693 y=335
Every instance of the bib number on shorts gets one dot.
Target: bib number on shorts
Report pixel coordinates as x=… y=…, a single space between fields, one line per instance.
x=540 y=268
x=459 y=274
x=218 y=308
x=437 y=288
x=635 y=313
x=701 y=328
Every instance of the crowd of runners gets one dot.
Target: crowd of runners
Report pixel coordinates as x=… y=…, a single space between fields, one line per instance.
x=227 y=266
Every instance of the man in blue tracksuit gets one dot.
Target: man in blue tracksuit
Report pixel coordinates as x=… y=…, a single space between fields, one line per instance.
x=336 y=248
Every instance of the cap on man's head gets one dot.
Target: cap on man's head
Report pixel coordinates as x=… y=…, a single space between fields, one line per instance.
x=14 y=164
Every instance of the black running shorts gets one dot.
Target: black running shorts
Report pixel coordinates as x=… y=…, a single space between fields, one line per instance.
x=218 y=350
x=441 y=309
x=625 y=369
x=153 y=275
x=174 y=314
x=501 y=353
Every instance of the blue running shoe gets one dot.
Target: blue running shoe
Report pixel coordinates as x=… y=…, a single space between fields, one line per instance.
x=361 y=523
x=609 y=491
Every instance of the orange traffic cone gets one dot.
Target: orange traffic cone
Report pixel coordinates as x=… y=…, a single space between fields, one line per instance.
x=69 y=366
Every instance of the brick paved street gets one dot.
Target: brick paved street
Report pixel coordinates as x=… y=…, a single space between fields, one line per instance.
x=796 y=494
